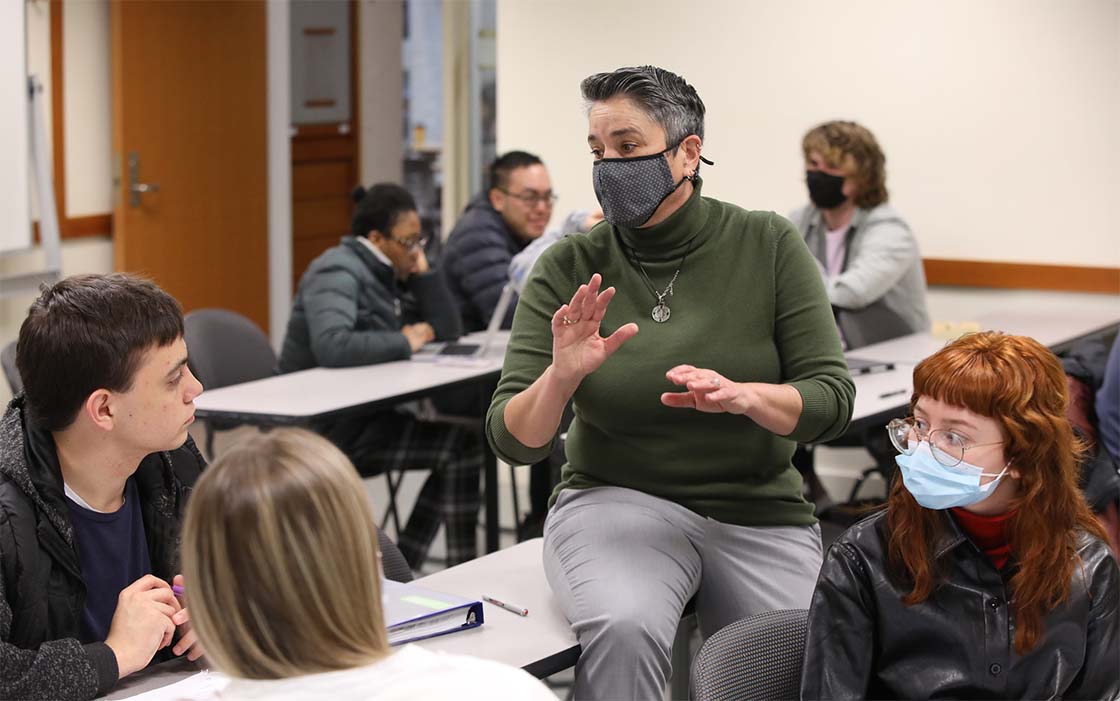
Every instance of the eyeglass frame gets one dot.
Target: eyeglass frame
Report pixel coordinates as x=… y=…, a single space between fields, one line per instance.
x=531 y=198
x=410 y=245
x=911 y=421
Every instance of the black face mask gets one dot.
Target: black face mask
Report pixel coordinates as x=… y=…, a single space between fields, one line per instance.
x=825 y=191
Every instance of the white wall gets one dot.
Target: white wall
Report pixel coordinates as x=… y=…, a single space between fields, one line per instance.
x=87 y=86
x=998 y=117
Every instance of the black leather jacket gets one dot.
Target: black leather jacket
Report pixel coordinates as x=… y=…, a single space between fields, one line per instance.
x=863 y=642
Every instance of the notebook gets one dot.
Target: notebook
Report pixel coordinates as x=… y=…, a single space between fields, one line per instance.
x=478 y=350
x=414 y=613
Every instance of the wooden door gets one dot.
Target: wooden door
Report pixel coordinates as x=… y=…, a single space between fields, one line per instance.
x=189 y=113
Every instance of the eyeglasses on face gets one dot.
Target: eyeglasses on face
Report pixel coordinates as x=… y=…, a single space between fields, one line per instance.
x=412 y=244
x=531 y=198
x=948 y=447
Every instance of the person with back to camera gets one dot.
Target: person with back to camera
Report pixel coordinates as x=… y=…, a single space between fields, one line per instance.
x=868 y=256
x=678 y=481
x=282 y=572
x=374 y=299
x=986 y=576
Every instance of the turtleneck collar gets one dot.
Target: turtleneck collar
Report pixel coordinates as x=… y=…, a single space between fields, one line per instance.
x=674 y=235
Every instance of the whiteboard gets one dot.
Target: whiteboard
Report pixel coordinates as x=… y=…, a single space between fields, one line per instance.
x=15 y=215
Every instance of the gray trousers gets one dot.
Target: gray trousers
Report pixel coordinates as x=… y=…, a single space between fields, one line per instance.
x=623 y=564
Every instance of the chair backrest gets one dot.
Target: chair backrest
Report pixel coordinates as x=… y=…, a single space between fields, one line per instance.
x=8 y=360
x=224 y=348
x=392 y=559
x=758 y=657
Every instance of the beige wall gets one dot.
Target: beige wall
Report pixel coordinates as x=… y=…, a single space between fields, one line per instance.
x=998 y=117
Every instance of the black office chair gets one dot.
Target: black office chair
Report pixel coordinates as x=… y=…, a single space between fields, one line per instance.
x=11 y=372
x=224 y=348
x=758 y=657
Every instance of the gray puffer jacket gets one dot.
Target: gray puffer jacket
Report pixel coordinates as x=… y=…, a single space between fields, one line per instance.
x=349 y=311
x=880 y=292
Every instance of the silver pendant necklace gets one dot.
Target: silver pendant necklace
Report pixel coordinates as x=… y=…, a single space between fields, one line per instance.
x=661 y=311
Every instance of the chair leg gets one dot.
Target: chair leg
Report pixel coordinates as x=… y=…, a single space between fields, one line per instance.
x=392 y=510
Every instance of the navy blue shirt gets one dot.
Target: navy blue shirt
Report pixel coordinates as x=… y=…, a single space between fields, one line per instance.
x=113 y=551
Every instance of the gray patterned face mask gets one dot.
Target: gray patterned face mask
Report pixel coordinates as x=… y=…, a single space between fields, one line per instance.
x=631 y=189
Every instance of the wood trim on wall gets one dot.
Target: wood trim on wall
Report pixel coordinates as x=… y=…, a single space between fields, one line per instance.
x=1023 y=276
x=68 y=227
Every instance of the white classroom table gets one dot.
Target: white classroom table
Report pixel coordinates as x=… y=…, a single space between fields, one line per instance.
x=541 y=643
x=298 y=398
x=1052 y=326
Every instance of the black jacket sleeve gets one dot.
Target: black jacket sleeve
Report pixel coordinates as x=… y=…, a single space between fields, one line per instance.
x=840 y=638
x=58 y=669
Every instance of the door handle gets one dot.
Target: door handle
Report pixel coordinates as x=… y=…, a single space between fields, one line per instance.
x=135 y=187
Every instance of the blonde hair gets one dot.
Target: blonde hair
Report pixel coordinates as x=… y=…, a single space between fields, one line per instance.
x=280 y=560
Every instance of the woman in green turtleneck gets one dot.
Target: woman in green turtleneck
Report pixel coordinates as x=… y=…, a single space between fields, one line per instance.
x=678 y=482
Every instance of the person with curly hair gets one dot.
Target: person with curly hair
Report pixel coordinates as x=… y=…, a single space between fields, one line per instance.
x=868 y=255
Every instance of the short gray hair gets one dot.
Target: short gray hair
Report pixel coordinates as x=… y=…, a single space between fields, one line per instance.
x=661 y=94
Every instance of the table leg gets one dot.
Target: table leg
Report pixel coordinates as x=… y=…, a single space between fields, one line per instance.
x=490 y=468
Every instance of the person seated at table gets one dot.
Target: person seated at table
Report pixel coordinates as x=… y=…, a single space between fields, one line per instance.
x=495 y=241
x=986 y=576
x=374 y=299
x=95 y=468
x=282 y=572
x=866 y=252
x=678 y=482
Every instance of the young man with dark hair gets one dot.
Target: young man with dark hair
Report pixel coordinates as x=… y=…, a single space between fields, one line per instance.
x=95 y=468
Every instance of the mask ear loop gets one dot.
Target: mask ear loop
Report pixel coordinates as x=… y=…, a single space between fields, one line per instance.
x=696 y=173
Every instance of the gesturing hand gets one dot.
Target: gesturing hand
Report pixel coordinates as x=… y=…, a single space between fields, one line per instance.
x=577 y=348
x=708 y=391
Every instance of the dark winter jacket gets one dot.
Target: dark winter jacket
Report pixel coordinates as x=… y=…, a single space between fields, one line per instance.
x=42 y=595
x=864 y=642
x=476 y=262
x=349 y=311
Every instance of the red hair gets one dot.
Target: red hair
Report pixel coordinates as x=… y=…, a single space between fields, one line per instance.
x=1020 y=384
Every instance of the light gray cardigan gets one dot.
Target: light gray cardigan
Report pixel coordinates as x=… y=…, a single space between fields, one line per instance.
x=881 y=291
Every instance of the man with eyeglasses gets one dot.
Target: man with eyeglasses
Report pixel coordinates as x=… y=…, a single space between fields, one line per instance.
x=498 y=224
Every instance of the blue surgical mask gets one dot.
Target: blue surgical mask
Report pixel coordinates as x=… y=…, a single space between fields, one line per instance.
x=936 y=486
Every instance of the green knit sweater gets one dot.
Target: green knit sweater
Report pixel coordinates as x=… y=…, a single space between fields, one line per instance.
x=749 y=304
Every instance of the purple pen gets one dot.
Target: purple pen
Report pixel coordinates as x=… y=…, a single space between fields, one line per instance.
x=177 y=590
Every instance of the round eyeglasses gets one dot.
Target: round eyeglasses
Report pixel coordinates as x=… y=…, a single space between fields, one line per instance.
x=947 y=446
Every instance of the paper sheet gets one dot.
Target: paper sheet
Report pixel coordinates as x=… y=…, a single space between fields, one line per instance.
x=204 y=685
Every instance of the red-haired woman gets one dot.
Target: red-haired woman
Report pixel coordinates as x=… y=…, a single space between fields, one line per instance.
x=987 y=575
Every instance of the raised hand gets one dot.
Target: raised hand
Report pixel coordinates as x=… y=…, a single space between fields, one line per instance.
x=577 y=348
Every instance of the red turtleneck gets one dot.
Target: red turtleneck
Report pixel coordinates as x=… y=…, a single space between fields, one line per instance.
x=989 y=533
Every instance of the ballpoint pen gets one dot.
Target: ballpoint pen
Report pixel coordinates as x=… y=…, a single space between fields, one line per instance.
x=508 y=607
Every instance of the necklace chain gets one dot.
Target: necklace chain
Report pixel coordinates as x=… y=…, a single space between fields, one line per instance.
x=661 y=310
